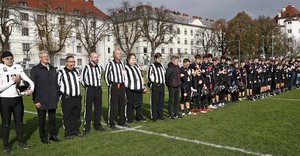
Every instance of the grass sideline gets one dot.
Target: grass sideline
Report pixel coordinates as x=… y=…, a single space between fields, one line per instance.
x=267 y=126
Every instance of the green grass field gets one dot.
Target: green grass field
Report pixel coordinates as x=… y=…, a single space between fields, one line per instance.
x=267 y=126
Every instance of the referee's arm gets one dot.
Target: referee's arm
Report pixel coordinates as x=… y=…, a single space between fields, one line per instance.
x=107 y=74
x=150 y=74
x=83 y=78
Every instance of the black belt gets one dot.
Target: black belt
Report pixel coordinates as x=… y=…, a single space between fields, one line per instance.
x=69 y=96
x=97 y=87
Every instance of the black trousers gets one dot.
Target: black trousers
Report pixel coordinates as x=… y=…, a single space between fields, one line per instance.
x=135 y=101
x=15 y=106
x=116 y=104
x=173 y=104
x=93 y=96
x=42 y=122
x=157 y=100
x=71 y=108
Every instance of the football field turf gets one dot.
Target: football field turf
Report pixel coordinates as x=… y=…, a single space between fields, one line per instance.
x=268 y=126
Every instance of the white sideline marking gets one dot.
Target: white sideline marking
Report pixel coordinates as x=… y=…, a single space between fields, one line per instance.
x=135 y=129
x=124 y=129
x=284 y=99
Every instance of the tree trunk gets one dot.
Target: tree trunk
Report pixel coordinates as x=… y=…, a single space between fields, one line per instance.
x=51 y=56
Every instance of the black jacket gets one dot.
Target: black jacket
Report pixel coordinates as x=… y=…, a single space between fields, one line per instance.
x=173 y=75
x=46 y=87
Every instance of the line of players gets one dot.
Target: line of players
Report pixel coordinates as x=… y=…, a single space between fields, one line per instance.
x=209 y=83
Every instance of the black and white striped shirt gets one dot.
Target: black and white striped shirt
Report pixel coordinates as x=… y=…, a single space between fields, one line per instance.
x=68 y=81
x=114 y=72
x=156 y=73
x=91 y=75
x=133 y=77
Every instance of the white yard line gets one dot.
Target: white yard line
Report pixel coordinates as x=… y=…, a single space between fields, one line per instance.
x=283 y=99
x=135 y=129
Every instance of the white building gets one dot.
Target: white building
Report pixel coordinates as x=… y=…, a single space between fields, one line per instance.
x=288 y=20
x=184 y=44
x=26 y=37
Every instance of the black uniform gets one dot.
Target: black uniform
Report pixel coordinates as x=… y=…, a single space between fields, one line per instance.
x=68 y=81
x=91 y=80
x=173 y=82
x=186 y=76
x=114 y=78
x=156 y=77
x=46 y=93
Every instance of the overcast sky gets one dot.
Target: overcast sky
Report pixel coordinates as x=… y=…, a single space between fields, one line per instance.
x=213 y=9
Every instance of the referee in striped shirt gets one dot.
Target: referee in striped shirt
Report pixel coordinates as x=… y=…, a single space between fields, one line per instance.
x=114 y=78
x=135 y=86
x=91 y=80
x=156 y=77
x=69 y=86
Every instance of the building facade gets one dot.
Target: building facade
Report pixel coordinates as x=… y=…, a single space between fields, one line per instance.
x=25 y=42
x=288 y=20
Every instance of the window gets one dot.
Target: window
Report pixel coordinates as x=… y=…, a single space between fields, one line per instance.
x=25 y=47
x=108 y=38
x=40 y=18
x=42 y=33
x=77 y=23
x=25 y=31
x=23 y=4
x=185 y=41
x=76 y=12
x=171 y=40
x=145 y=50
x=6 y=14
x=91 y=13
x=289 y=30
x=289 y=22
x=198 y=42
x=108 y=50
x=185 y=32
x=185 y=50
x=192 y=51
x=79 y=49
x=290 y=40
x=192 y=42
x=162 y=50
x=78 y=36
x=59 y=9
x=178 y=31
x=192 y=33
x=178 y=40
x=79 y=62
x=24 y=16
x=61 y=62
x=61 y=21
x=178 y=50
x=42 y=47
x=93 y=24
x=171 y=50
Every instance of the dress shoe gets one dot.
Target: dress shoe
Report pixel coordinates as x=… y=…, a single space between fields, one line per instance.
x=45 y=141
x=99 y=128
x=6 y=149
x=54 y=138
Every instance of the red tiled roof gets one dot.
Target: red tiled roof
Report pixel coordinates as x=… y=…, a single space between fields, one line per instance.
x=67 y=5
x=290 y=11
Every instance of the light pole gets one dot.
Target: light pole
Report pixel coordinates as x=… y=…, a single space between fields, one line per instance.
x=272 y=41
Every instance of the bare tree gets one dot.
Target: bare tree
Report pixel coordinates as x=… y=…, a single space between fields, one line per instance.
x=53 y=29
x=205 y=38
x=157 y=26
x=91 y=29
x=126 y=27
x=220 y=30
x=9 y=19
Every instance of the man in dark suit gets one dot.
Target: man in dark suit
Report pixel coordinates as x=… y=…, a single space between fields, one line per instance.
x=45 y=96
